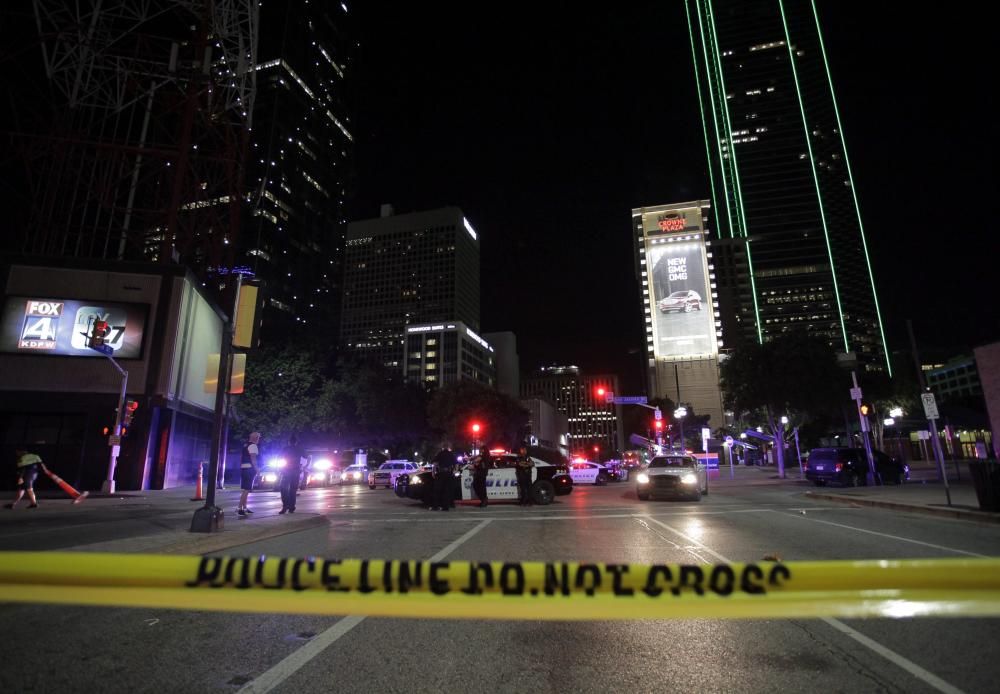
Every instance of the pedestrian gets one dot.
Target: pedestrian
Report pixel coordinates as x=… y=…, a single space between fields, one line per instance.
x=290 y=474
x=28 y=465
x=444 y=463
x=480 y=470
x=522 y=470
x=248 y=471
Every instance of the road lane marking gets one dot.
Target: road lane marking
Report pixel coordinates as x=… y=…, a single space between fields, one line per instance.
x=886 y=535
x=423 y=517
x=895 y=658
x=295 y=661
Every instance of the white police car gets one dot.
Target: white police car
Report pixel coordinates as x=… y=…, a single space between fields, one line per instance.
x=388 y=471
x=586 y=472
x=547 y=482
x=672 y=474
x=354 y=474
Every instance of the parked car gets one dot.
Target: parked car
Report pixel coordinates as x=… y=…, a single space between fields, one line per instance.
x=354 y=474
x=321 y=472
x=686 y=300
x=674 y=474
x=388 y=471
x=586 y=472
x=849 y=466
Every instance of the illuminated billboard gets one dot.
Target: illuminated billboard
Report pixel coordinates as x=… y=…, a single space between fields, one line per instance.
x=680 y=294
x=50 y=326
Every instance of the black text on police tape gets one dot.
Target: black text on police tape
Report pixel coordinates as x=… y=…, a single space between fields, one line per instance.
x=478 y=578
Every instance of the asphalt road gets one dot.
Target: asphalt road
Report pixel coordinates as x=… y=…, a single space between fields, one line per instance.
x=75 y=649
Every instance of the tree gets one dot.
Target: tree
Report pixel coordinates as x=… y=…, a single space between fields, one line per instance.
x=283 y=388
x=453 y=408
x=794 y=372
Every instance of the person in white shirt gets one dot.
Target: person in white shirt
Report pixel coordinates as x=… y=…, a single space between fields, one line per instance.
x=248 y=471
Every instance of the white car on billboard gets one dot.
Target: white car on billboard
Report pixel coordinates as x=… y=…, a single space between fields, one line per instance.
x=684 y=301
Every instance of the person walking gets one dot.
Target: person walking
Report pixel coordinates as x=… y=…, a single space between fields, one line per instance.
x=480 y=470
x=248 y=471
x=28 y=465
x=290 y=474
x=444 y=478
x=522 y=471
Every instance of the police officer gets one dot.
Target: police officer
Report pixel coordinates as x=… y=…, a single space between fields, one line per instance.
x=480 y=469
x=444 y=478
x=291 y=474
x=522 y=471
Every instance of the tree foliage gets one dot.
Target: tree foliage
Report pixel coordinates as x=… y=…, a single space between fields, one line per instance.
x=795 y=374
x=454 y=407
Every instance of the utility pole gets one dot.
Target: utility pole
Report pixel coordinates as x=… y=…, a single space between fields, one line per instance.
x=931 y=420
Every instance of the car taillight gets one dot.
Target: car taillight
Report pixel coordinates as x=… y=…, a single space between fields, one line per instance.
x=839 y=467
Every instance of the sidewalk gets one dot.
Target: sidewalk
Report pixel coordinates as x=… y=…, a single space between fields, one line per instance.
x=926 y=497
x=155 y=521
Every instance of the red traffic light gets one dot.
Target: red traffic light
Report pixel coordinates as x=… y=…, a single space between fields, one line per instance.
x=132 y=405
x=476 y=427
x=600 y=391
x=658 y=424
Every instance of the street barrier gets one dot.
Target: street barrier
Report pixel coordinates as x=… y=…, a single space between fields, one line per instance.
x=508 y=590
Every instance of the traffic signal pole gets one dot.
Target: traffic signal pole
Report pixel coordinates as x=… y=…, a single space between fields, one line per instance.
x=108 y=486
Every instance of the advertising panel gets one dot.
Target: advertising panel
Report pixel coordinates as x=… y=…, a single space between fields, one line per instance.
x=35 y=325
x=680 y=293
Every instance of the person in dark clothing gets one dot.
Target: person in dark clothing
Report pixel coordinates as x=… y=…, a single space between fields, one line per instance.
x=291 y=474
x=444 y=478
x=480 y=470
x=522 y=472
x=28 y=465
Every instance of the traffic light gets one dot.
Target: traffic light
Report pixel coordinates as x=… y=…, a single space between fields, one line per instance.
x=865 y=409
x=99 y=331
x=599 y=391
x=130 y=407
x=658 y=425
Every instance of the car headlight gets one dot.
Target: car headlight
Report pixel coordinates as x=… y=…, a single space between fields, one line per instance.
x=643 y=478
x=416 y=480
x=357 y=475
x=270 y=477
x=322 y=464
x=343 y=475
x=689 y=478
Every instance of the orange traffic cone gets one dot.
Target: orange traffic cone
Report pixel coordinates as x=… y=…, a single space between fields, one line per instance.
x=198 y=496
x=66 y=487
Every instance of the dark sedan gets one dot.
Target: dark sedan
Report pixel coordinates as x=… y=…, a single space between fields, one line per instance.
x=849 y=466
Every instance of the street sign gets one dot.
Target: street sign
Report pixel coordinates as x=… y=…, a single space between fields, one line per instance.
x=628 y=399
x=930 y=406
x=114 y=440
x=855 y=393
x=609 y=397
x=729 y=441
x=657 y=414
x=106 y=350
x=923 y=435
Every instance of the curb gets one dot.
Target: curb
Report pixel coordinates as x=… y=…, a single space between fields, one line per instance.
x=207 y=543
x=961 y=514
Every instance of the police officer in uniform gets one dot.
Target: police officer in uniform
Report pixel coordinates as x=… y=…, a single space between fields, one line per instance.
x=291 y=474
x=444 y=478
x=480 y=470
x=522 y=471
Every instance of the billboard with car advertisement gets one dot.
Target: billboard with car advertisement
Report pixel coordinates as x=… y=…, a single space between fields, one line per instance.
x=59 y=326
x=680 y=294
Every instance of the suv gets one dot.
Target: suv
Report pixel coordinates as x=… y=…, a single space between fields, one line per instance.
x=686 y=300
x=388 y=472
x=849 y=466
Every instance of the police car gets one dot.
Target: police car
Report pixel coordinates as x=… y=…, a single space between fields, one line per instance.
x=388 y=471
x=672 y=474
x=547 y=482
x=586 y=472
x=354 y=474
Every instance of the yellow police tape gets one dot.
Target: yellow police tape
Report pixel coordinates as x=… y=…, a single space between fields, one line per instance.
x=512 y=590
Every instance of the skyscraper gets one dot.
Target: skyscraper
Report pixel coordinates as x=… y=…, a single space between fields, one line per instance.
x=406 y=269
x=785 y=203
x=300 y=163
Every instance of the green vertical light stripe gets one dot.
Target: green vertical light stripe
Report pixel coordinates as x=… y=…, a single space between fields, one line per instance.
x=812 y=164
x=715 y=121
x=857 y=207
x=701 y=107
x=735 y=167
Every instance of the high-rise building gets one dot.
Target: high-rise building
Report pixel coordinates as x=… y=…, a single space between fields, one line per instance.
x=407 y=269
x=300 y=163
x=508 y=363
x=438 y=354
x=675 y=267
x=592 y=421
x=780 y=176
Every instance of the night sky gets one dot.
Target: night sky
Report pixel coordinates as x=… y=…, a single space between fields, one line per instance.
x=547 y=126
